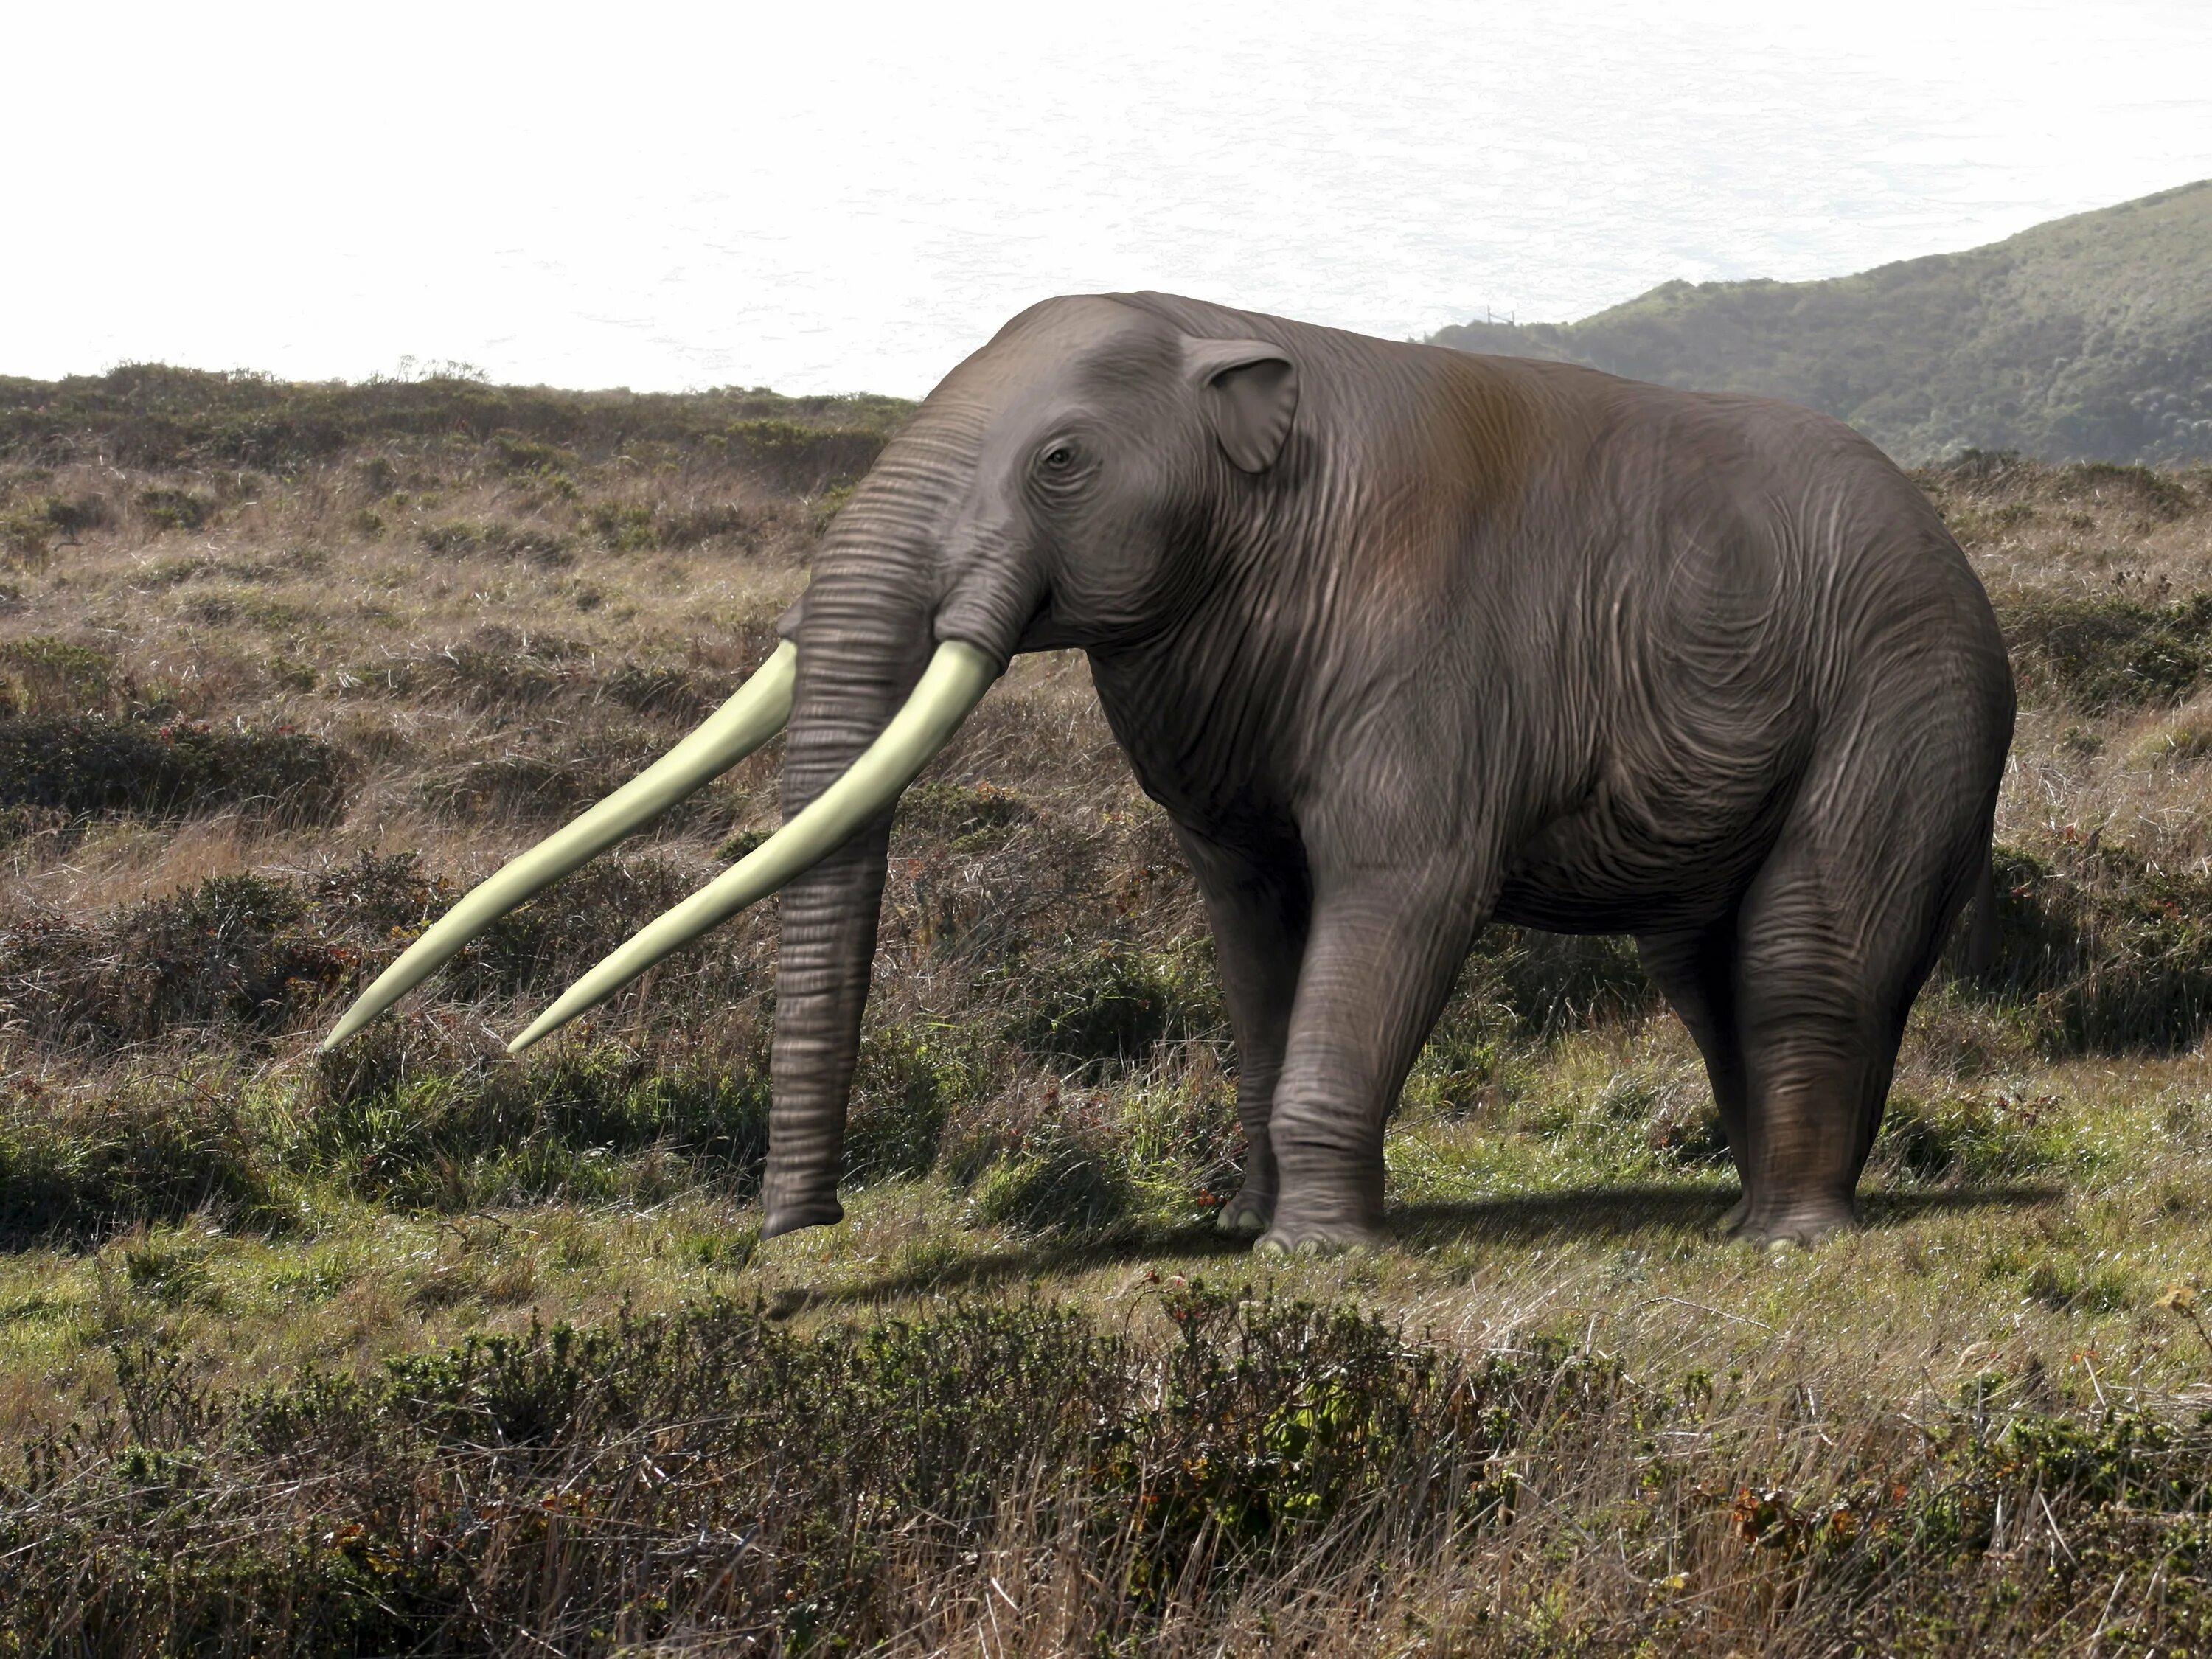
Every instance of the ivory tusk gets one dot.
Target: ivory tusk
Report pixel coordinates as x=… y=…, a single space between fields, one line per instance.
x=955 y=682
x=757 y=712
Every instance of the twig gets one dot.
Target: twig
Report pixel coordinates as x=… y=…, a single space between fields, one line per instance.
x=2098 y=1634
x=2055 y=1532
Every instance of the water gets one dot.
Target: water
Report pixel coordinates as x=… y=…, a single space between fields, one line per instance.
x=848 y=197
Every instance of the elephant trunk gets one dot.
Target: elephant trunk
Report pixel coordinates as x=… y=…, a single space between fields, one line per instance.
x=915 y=580
x=861 y=645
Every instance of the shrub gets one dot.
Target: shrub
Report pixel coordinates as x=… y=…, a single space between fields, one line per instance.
x=2159 y=493
x=1108 y=1006
x=803 y=458
x=43 y=675
x=1970 y=1137
x=96 y=764
x=175 y=509
x=907 y=1083
x=661 y=688
x=710 y=1469
x=574 y=1121
x=2108 y=952
x=1054 y=1181
x=237 y=949
x=27 y=530
x=149 y=414
x=528 y=787
x=565 y=929
x=2107 y=652
x=88 y=1162
x=624 y=527
x=256 y=956
x=514 y=454
x=970 y=817
x=692 y=526
x=1555 y=982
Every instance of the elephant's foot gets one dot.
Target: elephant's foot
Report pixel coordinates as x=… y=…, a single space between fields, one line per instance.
x=789 y=1218
x=1731 y=1221
x=1292 y=1235
x=1803 y=1224
x=1246 y=1213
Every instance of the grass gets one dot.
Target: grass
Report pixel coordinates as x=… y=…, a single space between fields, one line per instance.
x=415 y=1348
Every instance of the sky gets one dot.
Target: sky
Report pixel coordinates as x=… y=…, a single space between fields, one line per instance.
x=851 y=196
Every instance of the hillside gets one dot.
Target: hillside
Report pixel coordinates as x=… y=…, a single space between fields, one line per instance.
x=2086 y=339
x=415 y=1348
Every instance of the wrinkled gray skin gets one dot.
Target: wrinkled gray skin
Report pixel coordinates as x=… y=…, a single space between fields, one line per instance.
x=1405 y=641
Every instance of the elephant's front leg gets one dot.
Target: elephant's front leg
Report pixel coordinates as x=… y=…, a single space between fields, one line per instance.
x=1385 y=946
x=1259 y=911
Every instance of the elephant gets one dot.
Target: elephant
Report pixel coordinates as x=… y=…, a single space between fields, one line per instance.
x=1404 y=639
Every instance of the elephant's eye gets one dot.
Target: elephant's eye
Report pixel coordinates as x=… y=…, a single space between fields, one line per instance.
x=1060 y=470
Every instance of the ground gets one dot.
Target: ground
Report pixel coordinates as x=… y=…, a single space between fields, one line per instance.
x=415 y=1348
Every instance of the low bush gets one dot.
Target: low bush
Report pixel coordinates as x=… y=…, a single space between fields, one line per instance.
x=711 y=1471
x=908 y=1082
x=42 y=675
x=549 y=785
x=149 y=414
x=2110 y=952
x=2107 y=652
x=624 y=527
x=1556 y=982
x=804 y=459
x=175 y=509
x=968 y=817
x=237 y=951
x=93 y=763
x=79 y=1161
x=512 y=453
x=1108 y=1006
x=574 y=1122
x=256 y=956
x=28 y=529
x=1054 y=1179
x=1972 y=1137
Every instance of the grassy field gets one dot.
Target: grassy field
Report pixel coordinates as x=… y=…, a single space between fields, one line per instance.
x=416 y=1349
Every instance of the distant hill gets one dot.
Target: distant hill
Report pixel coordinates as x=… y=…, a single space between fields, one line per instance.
x=2087 y=338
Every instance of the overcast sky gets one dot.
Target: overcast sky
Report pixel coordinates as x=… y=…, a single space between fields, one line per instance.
x=851 y=196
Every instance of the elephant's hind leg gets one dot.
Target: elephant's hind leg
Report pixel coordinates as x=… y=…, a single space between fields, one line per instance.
x=1837 y=935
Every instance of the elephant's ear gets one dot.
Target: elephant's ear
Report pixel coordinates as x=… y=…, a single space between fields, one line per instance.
x=1249 y=390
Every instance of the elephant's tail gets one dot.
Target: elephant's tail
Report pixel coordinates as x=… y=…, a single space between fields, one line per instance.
x=1982 y=931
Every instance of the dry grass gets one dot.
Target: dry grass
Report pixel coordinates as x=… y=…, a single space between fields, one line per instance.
x=486 y=630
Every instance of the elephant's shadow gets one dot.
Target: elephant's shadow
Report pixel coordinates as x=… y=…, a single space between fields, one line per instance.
x=1580 y=1212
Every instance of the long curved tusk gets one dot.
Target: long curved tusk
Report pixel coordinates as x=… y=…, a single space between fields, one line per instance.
x=757 y=712
x=955 y=682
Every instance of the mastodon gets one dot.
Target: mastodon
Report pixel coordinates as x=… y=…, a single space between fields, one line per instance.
x=1403 y=640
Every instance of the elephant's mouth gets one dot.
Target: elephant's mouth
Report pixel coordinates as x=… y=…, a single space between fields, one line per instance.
x=958 y=677
x=1046 y=630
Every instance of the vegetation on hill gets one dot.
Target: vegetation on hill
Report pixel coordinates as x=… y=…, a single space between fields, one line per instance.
x=414 y=1348
x=2086 y=339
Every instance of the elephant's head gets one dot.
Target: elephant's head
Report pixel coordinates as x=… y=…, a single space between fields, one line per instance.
x=1077 y=482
